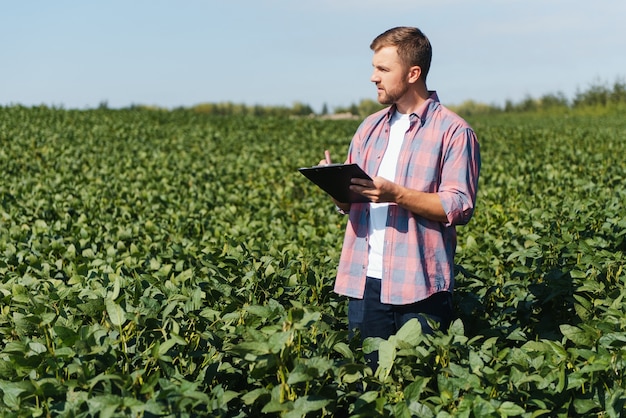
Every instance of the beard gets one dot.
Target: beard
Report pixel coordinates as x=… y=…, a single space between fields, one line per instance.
x=389 y=97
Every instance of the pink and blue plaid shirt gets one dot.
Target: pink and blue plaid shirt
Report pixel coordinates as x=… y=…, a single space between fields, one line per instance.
x=440 y=154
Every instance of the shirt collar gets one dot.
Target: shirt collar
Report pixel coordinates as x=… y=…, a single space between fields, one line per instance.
x=424 y=110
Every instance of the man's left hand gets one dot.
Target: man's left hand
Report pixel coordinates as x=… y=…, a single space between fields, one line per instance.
x=377 y=190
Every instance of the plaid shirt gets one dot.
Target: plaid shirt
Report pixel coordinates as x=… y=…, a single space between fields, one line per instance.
x=440 y=154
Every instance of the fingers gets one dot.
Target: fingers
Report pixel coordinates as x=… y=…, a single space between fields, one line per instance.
x=363 y=182
x=377 y=190
x=362 y=186
x=326 y=160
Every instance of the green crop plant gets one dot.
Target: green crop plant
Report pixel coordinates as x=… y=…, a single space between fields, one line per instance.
x=174 y=263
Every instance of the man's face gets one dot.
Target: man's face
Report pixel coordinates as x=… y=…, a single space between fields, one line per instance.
x=389 y=75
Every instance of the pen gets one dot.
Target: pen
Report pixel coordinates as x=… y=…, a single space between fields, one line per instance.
x=327 y=154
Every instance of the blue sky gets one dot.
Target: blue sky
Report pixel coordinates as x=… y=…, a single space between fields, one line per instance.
x=78 y=54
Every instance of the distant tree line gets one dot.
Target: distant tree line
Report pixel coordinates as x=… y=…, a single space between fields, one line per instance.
x=229 y=108
x=598 y=95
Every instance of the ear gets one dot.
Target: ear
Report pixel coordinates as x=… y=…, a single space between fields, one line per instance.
x=414 y=73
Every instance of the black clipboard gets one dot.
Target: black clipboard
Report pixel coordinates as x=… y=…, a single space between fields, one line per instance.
x=335 y=179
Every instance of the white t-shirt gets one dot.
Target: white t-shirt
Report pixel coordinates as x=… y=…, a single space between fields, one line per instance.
x=378 y=211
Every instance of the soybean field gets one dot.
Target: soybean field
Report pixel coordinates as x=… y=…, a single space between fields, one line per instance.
x=175 y=264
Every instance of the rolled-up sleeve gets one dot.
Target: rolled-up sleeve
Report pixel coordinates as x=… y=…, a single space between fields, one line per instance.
x=459 y=177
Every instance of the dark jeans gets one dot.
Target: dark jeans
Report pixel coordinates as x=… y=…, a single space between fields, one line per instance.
x=375 y=319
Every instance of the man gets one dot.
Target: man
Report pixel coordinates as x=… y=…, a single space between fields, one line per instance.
x=397 y=260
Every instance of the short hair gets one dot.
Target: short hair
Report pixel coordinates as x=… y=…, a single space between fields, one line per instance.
x=413 y=46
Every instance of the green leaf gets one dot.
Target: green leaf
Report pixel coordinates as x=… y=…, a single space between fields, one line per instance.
x=577 y=274
x=104 y=406
x=476 y=363
x=509 y=409
x=371 y=344
x=410 y=334
x=300 y=374
x=344 y=349
x=116 y=313
x=577 y=335
x=103 y=377
x=252 y=396
x=414 y=390
x=260 y=311
x=613 y=339
x=369 y=397
x=65 y=334
x=11 y=392
x=456 y=327
x=386 y=356
x=276 y=406
x=483 y=408
x=584 y=406
x=35 y=348
x=165 y=346
x=113 y=295
x=305 y=404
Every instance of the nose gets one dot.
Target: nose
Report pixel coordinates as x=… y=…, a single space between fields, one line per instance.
x=374 y=78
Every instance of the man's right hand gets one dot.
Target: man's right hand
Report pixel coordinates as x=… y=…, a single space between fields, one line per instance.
x=326 y=160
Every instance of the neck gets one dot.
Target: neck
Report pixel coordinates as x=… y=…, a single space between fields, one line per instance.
x=413 y=99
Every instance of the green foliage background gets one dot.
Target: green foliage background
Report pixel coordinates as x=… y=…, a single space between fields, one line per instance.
x=174 y=263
